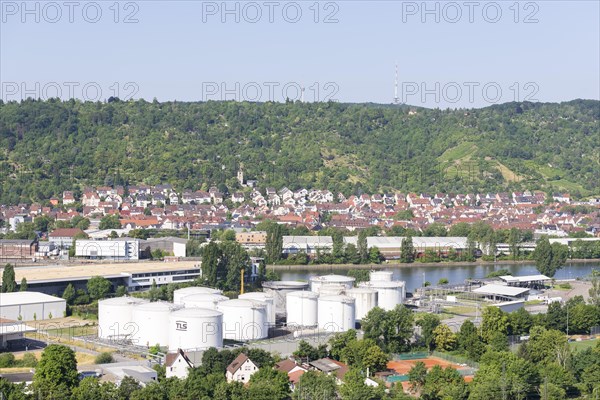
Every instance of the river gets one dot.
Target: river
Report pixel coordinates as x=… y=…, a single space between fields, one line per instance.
x=414 y=275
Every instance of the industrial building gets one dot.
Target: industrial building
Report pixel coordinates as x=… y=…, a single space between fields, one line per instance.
x=29 y=306
x=169 y=245
x=502 y=292
x=310 y=245
x=134 y=276
x=11 y=331
x=118 y=249
x=390 y=246
x=17 y=249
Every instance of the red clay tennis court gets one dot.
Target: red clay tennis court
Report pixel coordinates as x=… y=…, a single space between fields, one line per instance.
x=403 y=366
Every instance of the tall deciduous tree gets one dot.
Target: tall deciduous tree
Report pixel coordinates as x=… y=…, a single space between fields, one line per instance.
x=8 y=279
x=56 y=374
x=315 y=386
x=274 y=243
x=549 y=258
x=407 y=250
x=98 y=287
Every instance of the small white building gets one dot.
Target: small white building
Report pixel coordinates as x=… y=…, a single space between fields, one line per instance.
x=178 y=365
x=241 y=369
x=128 y=249
x=29 y=306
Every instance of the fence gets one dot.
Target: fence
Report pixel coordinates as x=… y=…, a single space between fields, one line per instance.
x=456 y=359
x=411 y=356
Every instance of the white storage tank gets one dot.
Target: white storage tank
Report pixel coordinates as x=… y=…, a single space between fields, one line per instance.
x=337 y=313
x=195 y=329
x=333 y=289
x=115 y=319
x=203 y=300
x=265 y=298
x=244 y=319
x=279 y=290
x=366 y=300
x=152 y=323
x=389 y=294
x=376 y=276
x=316 y=282
x=301 y=309
x=181 y=293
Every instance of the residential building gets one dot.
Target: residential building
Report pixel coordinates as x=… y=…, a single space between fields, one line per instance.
x=241 y=369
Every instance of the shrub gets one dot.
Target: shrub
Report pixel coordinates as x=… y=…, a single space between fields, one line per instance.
x=7 y=360
x=29 y=360
x=104 y=358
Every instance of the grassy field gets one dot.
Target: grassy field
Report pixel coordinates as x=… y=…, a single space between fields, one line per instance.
x=584 y=344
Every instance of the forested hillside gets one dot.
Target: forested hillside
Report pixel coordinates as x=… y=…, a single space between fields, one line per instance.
x=47 y=147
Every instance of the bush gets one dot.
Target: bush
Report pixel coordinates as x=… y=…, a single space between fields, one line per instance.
x=565 y=285
x=104 y=358
x=7 y=360
x=29 y=361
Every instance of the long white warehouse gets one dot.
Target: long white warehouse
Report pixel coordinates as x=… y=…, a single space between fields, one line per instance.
x=29 y=306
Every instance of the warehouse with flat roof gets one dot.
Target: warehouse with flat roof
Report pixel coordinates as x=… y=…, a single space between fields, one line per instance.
x=29 y=306
x=134 y=276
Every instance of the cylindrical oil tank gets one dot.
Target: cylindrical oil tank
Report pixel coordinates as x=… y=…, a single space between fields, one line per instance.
x=336 y=313
x=195 y=328
x=333 y=289
x=244 y=319
x=279 y=290
x=376 y=276
x=181 y=293
x=152 y=323
x=301 y=309
x=203 y=300
x=316 y=282
x=366 y=300
x=389 y=294
x=266 y=298
x=115 y=319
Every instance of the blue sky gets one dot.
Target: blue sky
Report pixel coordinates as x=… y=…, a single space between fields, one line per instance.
x=195 y=50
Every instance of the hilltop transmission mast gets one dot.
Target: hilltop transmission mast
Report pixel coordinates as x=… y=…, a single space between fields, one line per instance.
x=396 y=99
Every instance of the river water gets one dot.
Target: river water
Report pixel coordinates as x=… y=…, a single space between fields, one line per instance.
x=414 y=275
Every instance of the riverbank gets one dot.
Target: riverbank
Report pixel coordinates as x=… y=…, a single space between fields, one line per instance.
x=342 y=267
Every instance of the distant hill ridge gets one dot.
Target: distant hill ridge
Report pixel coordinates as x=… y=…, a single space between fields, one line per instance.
x=47 y=147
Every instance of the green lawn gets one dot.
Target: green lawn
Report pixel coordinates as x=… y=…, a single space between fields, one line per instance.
x=584 y=344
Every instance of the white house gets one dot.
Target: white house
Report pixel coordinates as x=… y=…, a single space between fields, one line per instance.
x=241 y=369
x=178 y=365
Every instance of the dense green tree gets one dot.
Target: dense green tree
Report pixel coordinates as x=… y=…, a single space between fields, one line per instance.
x=92 y=389
x=110 y=222
x=23 y=286
x=444 y=338
x=493 y=320
x=274 y=243
x=315 y=386
x=351 y=255
x=520 y=321
x=417 y=375
x=444 y=383
x=307 y=352
x=56 y=374
x=361 y=246
x=211 y=255
x=69 y=294
x=269 y=383
x=354 y=387
x=9 y=284
x=469 y=341
x=549 y=258
x=407 y=250
x=98 y=287
x=428 y=323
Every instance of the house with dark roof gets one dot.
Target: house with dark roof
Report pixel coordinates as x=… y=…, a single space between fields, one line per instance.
x=241 y=369
x=178 y=365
